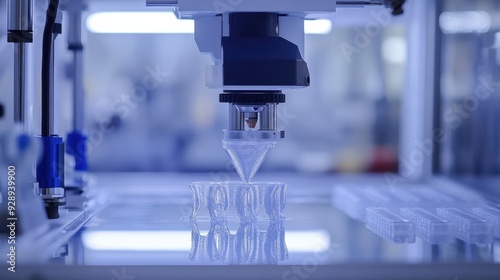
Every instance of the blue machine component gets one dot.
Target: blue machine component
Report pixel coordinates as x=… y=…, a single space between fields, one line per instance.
x=77 y=147
x=281 y=63
x=50 y=169
x=50 y=175
x=23 y=142
x=278 y=62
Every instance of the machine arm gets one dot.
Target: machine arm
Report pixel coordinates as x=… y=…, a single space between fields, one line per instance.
x=257 y=47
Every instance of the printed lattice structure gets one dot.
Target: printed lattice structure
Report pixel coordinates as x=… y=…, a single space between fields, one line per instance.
x=246 y=199
x=249 y=245
x=436 y=214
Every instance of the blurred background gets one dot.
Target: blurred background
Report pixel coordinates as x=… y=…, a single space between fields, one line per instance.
x=349 y=120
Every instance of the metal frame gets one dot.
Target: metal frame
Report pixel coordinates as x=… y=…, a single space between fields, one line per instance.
x=418 y=136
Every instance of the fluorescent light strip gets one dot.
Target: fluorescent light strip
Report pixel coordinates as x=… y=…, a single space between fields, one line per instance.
x=319 y=26
x=138 y=22
x=307 y=241
x=465 y=22
x=296 y=241
x=137 y=240
x=166 y=22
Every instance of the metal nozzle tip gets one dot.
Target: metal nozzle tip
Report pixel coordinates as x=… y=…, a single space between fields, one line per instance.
x=252 y=123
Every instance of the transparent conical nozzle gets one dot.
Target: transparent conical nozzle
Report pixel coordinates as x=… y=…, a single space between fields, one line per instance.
x=247 y=155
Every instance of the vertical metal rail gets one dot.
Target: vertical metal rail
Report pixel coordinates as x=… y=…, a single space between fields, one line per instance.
x=20 y=29
x=417 y=141
x=437 y=100
x=75 y=45
x=19 y=83
x=76 y=139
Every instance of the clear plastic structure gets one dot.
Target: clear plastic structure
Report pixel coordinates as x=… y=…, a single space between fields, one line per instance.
x=221 y=199
x=469 y=228
x=354 y=200
x=491 y=215
x=247 y=155
x=430 y=227
x=390 y=225
x=250 y=244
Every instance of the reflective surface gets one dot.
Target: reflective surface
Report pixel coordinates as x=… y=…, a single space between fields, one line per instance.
x=146 y=224
x=251 y=243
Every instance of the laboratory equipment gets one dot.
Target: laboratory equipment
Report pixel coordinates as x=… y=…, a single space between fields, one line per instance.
x=491 y=215
x=253 y=81
x=390 y=225
x=20 y=32
x=435 y=214
x=76 y=139
x=246 y=200
x=383 y=226
x=253 y=243
x=429 y=226
x=50 y=169
x=468 y=227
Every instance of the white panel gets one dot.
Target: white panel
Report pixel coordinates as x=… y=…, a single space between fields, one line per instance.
x=208 y=33
x=308 y=9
